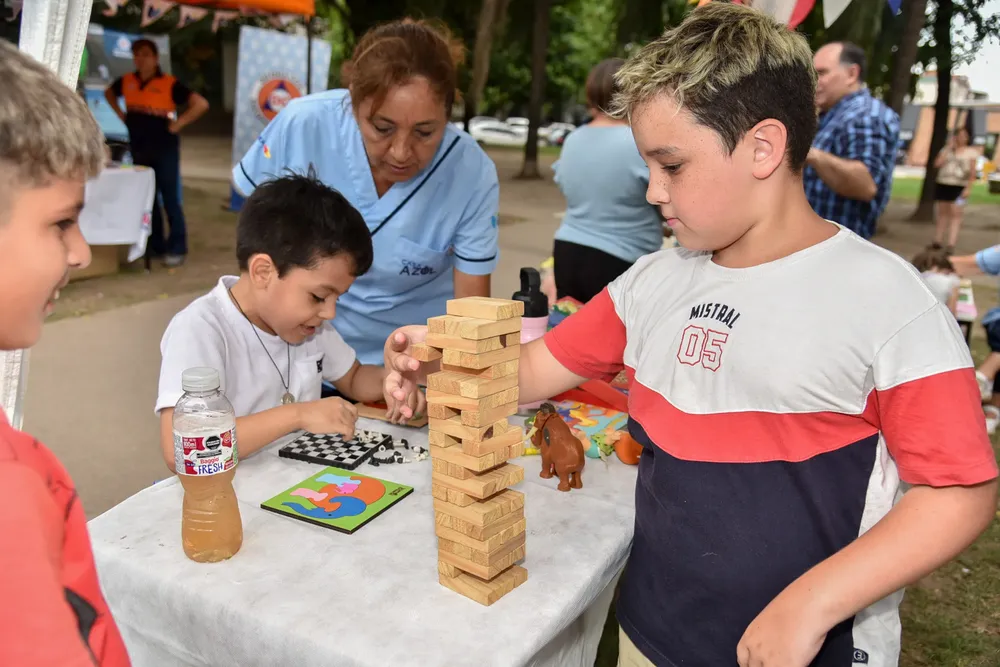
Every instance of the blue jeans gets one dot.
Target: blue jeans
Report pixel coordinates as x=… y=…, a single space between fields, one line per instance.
x=166 y=165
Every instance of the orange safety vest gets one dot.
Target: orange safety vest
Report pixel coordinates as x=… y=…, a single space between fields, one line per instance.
x=153 y=98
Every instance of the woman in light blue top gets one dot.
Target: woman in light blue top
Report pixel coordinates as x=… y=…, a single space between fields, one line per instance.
x=428 y=192
x=608 y=225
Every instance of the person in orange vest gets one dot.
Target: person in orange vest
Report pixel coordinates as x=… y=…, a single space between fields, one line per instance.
x=152 y=99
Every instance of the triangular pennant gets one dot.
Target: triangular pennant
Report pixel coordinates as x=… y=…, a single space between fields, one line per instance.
x=191 y=15
x=113 y=6
x=154 y=10
x=223 y=17
x=832 y=9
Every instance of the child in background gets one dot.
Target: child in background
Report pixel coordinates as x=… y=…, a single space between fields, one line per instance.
x=938 y=273
x=300 y=246
x=987 y=262
x=781 y=400
x=50 y=145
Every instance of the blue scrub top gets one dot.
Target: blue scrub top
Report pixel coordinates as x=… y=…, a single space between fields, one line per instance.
x=450 y=222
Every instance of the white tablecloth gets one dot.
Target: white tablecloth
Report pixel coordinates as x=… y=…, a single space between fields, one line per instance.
x=117 y=209
x=303 y=595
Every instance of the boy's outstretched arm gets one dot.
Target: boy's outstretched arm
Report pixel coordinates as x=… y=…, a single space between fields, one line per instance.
x=39 y=629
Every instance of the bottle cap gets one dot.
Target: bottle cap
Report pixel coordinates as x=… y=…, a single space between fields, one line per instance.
x=200 y=379
x=535 y=303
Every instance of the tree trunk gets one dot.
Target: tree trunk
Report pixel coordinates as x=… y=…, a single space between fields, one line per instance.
x=914 y=19
x=490 y=17
x=942 y=54
x=539 y=51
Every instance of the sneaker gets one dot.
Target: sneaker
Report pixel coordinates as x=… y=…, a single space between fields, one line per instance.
x=985 y=386
x=173 y=260
x=992 y=418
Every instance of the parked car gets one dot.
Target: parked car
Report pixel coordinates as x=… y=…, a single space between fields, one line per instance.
x=493 y=132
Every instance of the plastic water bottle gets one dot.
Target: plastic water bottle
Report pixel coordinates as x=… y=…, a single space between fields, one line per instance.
x=205 y=459
x=535 y=321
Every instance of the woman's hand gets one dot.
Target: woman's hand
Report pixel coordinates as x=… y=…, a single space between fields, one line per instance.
x=404 y=374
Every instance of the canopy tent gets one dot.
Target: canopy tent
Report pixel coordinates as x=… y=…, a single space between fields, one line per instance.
x=301 y=7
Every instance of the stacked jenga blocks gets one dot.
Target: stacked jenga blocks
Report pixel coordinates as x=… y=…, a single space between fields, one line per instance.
x=479 y=519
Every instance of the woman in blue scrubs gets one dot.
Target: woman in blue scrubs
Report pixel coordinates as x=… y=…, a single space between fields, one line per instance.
x=428 y=192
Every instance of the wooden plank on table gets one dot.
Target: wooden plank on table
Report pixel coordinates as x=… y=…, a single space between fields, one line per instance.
x=486 y=546
x=496 y=566
x=455 y=428
x=487 y=416
x=485 y=308
x=484 y=513
x=485 y=484
x=503 y=369
x=449 y=342
x=511 y=438
x=480 y=463
x=479 y=590
x=474 y=531
x=494 y=557
x=459 y=402
x=483 y=360
x=424 y=352
x=469 y=386
x=471 y=327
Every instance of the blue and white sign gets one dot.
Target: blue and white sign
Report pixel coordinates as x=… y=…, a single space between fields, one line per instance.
x=271 y=72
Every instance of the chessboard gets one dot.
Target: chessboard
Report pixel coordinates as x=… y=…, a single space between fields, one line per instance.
x=331 y=449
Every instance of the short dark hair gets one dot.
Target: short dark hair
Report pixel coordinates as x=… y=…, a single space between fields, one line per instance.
x=852 y=54
x=731 y=67
x=145 y=43
x=297 y=221
x=601 y=86
x=933 y=258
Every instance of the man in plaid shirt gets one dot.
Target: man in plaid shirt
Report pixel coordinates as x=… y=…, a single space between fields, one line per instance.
x=848 y=175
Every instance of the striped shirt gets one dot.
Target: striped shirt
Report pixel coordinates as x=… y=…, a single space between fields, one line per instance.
x=861 y=128
x=776 y=428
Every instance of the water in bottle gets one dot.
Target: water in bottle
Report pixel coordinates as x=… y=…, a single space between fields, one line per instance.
x=206 y=456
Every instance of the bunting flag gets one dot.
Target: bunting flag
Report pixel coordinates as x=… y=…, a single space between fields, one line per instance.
x=154 y=10
x=895 y=5
x=191 y=15
x=113 y=6
x=15 y=8
x=832 y=9
x=221 y=18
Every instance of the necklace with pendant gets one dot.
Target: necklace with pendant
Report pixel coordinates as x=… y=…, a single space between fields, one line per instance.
x=287 y=397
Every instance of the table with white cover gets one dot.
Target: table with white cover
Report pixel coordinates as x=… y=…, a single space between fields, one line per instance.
x=117 y=208
x=299 y=594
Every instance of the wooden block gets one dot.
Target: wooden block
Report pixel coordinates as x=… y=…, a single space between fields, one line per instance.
x=455 y=428
x=487 y=415
x=447 y=570
x=449 y=495
x=485 y=308
x=482 y=558
x=448 y=342
x=438 y=411
x=474 y=532
x=484 y=484
x=481 y=519
x=481 y=463
x=451 y=469
x=469 y=386
x=439 y=439
x=424 y=352
x=496 y=566
x=482 y=591
x=488 y=545
x=472 y=328
x=510 y=438
x=378 y=412
x=483 y=360
x=503 y=369
x=459 y=402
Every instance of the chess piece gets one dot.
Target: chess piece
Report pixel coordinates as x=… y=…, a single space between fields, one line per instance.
x=562 y=454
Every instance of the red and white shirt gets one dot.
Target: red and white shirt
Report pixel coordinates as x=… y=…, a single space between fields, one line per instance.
x=780 y=407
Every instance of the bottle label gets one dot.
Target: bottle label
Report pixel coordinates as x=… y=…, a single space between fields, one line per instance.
x=205 y=454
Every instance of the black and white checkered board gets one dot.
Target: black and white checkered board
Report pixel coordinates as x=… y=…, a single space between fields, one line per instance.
x=333 y=450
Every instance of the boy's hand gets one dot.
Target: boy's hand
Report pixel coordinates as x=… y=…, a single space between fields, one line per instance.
x=328 y=415
x=786 y=634
x=404 y=373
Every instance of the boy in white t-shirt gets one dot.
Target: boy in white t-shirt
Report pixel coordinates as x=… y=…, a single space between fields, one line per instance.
x=939 y=275
x=300 y=246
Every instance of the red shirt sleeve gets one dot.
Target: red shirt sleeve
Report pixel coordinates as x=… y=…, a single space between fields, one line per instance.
x=591 y=341
x=928 y=407
x=37 y=627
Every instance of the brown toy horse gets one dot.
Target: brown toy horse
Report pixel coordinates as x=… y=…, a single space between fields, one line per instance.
x=561 y=452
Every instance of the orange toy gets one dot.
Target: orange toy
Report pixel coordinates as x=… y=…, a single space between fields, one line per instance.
x=627 y=449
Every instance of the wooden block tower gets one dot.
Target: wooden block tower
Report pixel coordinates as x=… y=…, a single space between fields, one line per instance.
x=479 y=519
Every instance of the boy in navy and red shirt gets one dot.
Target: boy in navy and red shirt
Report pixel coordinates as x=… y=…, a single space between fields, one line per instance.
x=53 y=612
x=786 y=378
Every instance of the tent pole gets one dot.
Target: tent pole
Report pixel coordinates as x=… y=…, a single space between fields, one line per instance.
x=309 y=54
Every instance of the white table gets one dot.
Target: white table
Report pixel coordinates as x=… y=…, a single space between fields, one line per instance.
x=303 y=595
x=118 y=208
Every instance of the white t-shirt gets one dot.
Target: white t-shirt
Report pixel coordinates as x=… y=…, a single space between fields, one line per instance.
x=212 y=332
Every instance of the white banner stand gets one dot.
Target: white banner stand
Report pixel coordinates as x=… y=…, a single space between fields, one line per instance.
x=53 y=32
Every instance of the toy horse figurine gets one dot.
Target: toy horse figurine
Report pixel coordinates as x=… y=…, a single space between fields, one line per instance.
x=561 y=452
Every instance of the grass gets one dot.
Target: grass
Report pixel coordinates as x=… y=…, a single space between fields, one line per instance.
x=908 y=189
x=950 y=619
